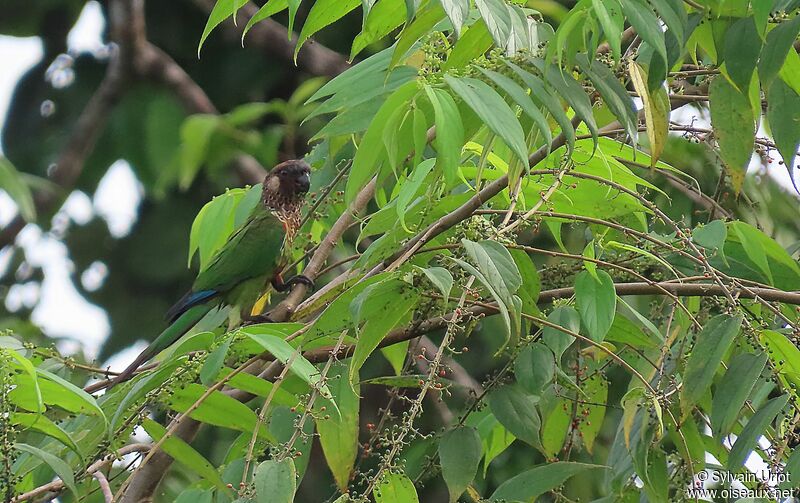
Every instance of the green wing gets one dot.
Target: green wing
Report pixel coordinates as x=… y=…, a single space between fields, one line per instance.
x=253 y=251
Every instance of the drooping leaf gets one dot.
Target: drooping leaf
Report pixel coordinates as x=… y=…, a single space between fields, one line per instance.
x=753 y=430
x=410 y=187
x=646 y=24
x=457 y=11
x=222 y=10
x=441 y=278
x=58 y=465
x=656 y=111
x=338 y=433
x=773 y=54
x=42 y=424
x=422 y=24
x=783 y=115
x=69 y=396
x=594 y=410
x=736 y=385
x=184 y=453
x=276 y=481
x=734 y=128
x=493 y=111
x=517 y=412
x=497 y=19
x=266 y=11
x=597 y=303
x=322 y=14
x=534 y=368
x=609 y=13
x=449 y=138
x=711 y=343
x=459 y=454
x=214 y=363
x=742 y=47
x=614 y=94
x=558 y=341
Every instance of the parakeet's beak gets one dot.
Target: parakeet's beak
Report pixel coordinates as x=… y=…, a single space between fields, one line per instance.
x=303 y=183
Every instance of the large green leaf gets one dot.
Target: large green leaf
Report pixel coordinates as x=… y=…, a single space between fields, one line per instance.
x=773 y=54
x=609 y=13
x=535 y=367
x=497 y=18
x=493 y=111
x=538 y=480
x=276 y=481
x=783 y=115
x=457 y=11
x=58 y=465
x=449 y=138
x=43 y=425
x=459 y=454
x=281 y=350
x=558 y=341
x=614 y=94
x=711 y=343
x=222 y=10
x=734 y=127
x=269 y=9
x=395 y=488
x=322 y=14
x=734 y=389
x=647 y=26
x=656 y=111
x=338 y=433
x=597 y=303
x=742 y=46
x=217 y=409
x=517 y=412
x=754 y=428
x=69 y=396
x=184 y=453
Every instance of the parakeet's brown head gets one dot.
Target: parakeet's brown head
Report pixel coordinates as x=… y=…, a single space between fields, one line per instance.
x=286 y=185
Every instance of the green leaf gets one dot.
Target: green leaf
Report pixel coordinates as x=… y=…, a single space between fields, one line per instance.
x=476 y=41
x=381 y=307
x=646 y=24
x=624 y=331
x=558 y=341
x=457 y=11
x=382 y=19
x=459 y=454
x=493 y=111
x=614 y=94
x=776 y=49
x=495 y=438
x=594 y=411
x=43 y=425
x=184 y=453
x=268 y=10
x=711 y=235
x=395 y=488
x=338 y=433
x=59 y=466
x=572 y=91
x=281 y=350
x=223 y=9
x=734 y=389
x=214 y=363
x=524 y=101
x=218 y=409
x=711 y=344
x=531 y=284
x=449 y=138
x=69 y=396
x=538 y=480
x=214 y=224
x=276 y=481
x=783 y=115
x=609 y=13
x=12 y=183
x=535 y=367
x=754 y=428
x=322 y=14
x=541 y=94
x=410 y=187
x=517 y=412
x=30 y=370
x=441 y=279
x=418 y=28
x=371 y=152
x=656 y=111
x=597 y=303
x=197 y=132
x=784 y=355
x=497 y=19
x=733 y=123
x=741 y=49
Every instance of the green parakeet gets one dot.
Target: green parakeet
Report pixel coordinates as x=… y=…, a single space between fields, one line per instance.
x=237 y=274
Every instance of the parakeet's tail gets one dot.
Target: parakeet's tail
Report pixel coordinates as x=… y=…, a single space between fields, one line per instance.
x=182 y=324
x=189 y=300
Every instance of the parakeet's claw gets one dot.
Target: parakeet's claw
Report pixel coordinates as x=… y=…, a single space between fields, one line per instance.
x=282 y=286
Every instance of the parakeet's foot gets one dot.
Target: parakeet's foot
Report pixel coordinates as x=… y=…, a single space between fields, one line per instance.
x=294 y=280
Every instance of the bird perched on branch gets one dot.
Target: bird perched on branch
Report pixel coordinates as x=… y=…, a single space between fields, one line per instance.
x=238 y=272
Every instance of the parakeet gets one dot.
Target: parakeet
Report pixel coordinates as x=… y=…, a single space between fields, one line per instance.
x=237 y=273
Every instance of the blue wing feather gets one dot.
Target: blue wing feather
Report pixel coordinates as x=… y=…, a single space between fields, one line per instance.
x=188 y=301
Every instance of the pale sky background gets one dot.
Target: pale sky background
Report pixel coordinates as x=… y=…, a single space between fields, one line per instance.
x=60 y=310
